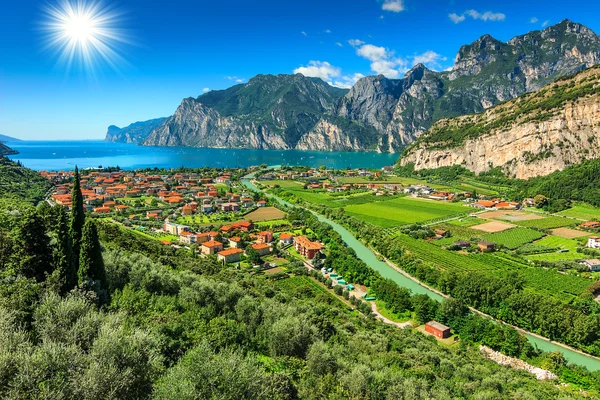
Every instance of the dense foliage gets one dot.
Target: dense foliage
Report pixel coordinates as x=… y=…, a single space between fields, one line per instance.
x=21 y=183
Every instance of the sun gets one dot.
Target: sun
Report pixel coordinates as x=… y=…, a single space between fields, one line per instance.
x=85 y=33
x=80 y=28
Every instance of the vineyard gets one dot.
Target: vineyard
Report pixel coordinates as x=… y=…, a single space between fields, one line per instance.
x=549 y=282
x=547 y=223
x=403 y=211
x=582 y=211
x=514 y=238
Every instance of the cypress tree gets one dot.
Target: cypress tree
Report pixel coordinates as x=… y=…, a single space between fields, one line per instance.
x=77 y=216
x=91 y=264
x=64 y=259
x=32 y=255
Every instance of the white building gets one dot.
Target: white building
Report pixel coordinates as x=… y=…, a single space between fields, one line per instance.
x=593 y=242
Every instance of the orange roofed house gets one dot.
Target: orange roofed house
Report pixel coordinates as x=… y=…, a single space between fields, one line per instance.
x=264 y=237
x=211 y=247
x=307 y=248
x=438 y=330
x=262 y=248
x=230 y=255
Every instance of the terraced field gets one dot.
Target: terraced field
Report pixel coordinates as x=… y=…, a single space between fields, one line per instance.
x=582 y=211
x=547 y=223
x=403 y=211
x=561 y=286
x=514 y=238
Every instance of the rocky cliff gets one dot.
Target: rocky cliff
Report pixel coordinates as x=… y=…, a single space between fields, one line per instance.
x=268 y=112
x=134 y=133
x=485 y=73
x=377 y=114
x=533 y=135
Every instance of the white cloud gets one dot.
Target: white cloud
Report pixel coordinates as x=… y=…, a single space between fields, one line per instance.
x=347 y=81
x=235 y=78
x=304 y=33
x=393 y=5
x=205 y=90
x=457 y=19
x=319 y=69
x=355 y=42
x=545 y=23
x=339 y=44
x=533 y=20
x=486 y=16
x=430 y=58
x=372 y=53
x=327 y=31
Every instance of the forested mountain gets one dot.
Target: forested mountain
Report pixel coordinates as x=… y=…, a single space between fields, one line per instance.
x=4 y=138
x=294 y=112
x=268 y=112
x=533 y=135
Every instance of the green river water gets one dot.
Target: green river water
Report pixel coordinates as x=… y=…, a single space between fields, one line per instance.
x=366 y=255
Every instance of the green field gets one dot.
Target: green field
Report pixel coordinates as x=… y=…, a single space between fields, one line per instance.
x=284 y=184
x=582 y=211
x=559 y=242
x=549 y=282
x=514 y=238
x=546 y=223
x=403 y=211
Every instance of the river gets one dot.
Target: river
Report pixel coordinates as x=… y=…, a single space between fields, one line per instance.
x=366 y=255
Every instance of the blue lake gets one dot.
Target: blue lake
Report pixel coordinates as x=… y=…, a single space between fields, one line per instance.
x=64 y=155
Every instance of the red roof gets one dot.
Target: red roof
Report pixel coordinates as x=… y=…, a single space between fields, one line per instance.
x=230 y=252
x=212 y=243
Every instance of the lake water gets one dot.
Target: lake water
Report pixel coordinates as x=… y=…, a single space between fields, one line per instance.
x=64 y=155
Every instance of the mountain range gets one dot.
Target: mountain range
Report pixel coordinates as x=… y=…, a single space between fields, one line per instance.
x=6 y=151
x=532 y=135
x=4 y=138
x=377 y=113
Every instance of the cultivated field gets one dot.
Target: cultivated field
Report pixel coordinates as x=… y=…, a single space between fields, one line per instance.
x=403 y=211
x=509 y=215
x=265 y=214
x=559 y=243
x=514 y=238
x=491 y=227
x=547 y=223
x=582 y=211
x=569 y=233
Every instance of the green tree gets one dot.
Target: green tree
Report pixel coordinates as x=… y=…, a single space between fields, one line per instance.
x=91 y=264
x=252 y=255
x=32 y=255
x=64 y=259
x=77 y=216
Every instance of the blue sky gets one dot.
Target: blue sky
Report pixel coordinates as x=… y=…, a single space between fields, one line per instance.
x=180 y=48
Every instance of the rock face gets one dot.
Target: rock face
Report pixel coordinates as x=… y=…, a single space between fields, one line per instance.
x=377 y=114
x=134 y=133
x=533 y=135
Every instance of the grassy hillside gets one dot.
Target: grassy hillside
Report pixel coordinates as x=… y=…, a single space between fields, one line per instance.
x=19 y=182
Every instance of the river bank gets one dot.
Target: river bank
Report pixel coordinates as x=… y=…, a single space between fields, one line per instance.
x=572 y=355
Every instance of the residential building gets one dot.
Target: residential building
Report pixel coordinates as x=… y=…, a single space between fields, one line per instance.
x=286 y=238
x=306 y=247
x=188 y=238
x=438 y=330
x=235 y=242
x=230 y=255
x=593 y=242
x=592 y=264
x=175 y=229
x=262 y=248
x=211 y=247
x=264 y=237
x=486 y=247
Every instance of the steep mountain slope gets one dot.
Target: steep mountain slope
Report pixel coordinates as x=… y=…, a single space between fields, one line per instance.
x=485 y=73
x=532 y=135
x=268 y=112
x=134 y=133
x=6 y=151
x=379 y=114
